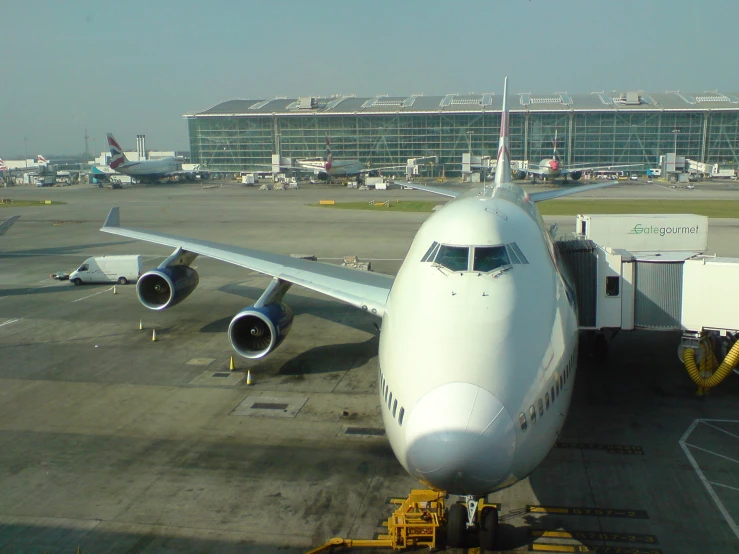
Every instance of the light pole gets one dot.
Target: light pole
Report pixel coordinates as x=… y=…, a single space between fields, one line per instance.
x=25 y=153
x=469 y=141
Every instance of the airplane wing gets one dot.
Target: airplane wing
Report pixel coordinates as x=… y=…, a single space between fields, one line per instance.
x=7 y=224
x=434 y=190
x=383 y=168
x=532 y=171
x=550 y=194
x=363 y=289
x=570 y=169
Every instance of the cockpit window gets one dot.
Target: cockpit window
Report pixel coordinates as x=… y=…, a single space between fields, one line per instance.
x=488 y=258
x=453 y=257
x=429 y=256
x=516 y=254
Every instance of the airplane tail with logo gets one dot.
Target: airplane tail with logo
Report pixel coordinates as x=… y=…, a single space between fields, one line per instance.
x=41 y=160
x=554 y=155
x=117 y=157
x=329 y=156
x=503 y=167
x=3 y=167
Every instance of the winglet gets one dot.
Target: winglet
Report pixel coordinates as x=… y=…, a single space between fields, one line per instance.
x=114 y=218
x=503 y=167
x=7 y=224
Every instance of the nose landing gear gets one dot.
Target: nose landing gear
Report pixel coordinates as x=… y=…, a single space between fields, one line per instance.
x=469 y=513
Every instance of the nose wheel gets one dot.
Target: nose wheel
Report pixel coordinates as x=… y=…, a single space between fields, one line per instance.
x=472 y=513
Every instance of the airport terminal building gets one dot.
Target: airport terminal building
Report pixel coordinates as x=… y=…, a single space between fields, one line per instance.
x=599 y=128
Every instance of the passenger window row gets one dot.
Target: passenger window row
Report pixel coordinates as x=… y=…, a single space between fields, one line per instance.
x=392 y=403
x=484 y=258
x=556 y=388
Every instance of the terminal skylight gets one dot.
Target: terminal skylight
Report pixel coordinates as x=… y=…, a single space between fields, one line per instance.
x=485 y=99
x=259 y=105
x=561 y=98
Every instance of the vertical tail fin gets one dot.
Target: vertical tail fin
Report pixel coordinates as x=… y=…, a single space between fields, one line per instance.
x=554 y=155
x=41 y=159
x=329 y=155
x=117 y=157
x=503 y=167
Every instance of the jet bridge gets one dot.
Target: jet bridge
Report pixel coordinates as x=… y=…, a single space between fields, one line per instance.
x=656 y=290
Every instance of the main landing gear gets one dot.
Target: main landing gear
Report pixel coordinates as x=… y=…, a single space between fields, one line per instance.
x=468 y=513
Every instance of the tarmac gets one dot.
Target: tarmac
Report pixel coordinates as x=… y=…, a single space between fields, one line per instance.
x=113 y=442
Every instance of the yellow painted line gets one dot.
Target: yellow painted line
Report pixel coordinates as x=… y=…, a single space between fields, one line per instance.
x=327 y=202
x=547 y=510
x=551 y=534
x=552 y=548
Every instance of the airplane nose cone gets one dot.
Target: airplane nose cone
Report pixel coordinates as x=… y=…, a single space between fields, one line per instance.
x=460 y=439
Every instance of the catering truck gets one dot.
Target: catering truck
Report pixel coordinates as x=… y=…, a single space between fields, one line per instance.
x=108 y=269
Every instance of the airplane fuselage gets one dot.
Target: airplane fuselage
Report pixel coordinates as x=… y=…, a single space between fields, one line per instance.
x=466 y=355
x=338 y=168
x=149 y=168
x=550 y=168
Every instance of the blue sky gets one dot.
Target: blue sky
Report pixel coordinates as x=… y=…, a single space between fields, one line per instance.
x=138 y=66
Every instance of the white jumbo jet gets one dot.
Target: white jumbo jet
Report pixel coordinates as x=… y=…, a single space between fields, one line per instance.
x=144 y=170
x=479 y=338
x=552 y=168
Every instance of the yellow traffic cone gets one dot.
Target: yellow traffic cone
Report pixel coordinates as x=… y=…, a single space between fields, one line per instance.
x=153 y=334
x=232 y=365
x=141 y=324
x=248 y=377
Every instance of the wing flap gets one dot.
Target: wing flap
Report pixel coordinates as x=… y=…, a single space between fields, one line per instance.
x=362 y=289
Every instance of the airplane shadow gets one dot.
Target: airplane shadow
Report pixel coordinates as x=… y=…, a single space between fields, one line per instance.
x=41 y=290
x=61 y=250
x=331 y=358
x=329 y=310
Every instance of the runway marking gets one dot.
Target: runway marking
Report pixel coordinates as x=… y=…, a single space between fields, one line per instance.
x=85 y=297
x=628 y=449
x=722 y=430
x=549 y=547
x=706 y=483
x=712 y=453
x=578 y=511
x=594 y=536
x=10 y=321
x=726 y=486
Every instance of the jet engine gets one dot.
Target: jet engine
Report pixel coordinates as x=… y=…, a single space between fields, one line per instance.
x=575 y=175
x=519 y=174
x=255 y=332
x=163 y=288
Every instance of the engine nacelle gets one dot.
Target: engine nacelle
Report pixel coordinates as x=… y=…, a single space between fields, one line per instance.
x=163 y=288
x=519 y=174
x=255 y=332
x=575 y=175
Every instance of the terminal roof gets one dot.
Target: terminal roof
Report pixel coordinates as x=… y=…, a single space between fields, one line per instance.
x=478 y=102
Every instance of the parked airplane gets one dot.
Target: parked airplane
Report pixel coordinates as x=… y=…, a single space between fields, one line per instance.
x=145 y=170
x=552 y=168
x=328 y=167
x=478 y=348
x=8 y=223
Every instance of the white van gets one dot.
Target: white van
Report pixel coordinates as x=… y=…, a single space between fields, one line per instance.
x=108 y=269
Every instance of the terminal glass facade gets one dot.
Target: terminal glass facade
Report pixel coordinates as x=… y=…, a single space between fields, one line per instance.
x=235 y=143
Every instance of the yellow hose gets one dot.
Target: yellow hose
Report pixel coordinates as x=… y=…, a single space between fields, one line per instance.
x=708 y=364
